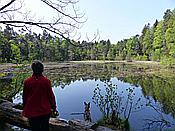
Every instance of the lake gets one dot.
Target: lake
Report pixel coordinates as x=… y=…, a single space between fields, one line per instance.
x=142 y=93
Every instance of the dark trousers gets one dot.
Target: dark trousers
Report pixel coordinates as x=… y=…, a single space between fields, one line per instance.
x=40 y=123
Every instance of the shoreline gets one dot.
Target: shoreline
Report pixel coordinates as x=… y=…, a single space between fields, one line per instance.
x=109 y=61
x=7 y=67
x=88 y=61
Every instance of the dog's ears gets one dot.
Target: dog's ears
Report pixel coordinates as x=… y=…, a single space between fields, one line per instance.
x=87 y=104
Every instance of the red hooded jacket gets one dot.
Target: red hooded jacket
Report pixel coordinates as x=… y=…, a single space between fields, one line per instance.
x=38 y=97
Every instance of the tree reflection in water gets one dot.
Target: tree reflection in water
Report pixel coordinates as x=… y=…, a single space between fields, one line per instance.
x=159 y=121
x=116 y=105
x=155 y=82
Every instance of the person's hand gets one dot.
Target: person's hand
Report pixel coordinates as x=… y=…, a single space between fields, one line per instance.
x=54 y=113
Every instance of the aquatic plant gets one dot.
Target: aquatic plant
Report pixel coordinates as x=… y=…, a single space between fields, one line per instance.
x=116 y=108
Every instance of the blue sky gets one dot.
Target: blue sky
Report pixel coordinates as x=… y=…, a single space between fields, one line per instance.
x=119 y=19
x=114 y=19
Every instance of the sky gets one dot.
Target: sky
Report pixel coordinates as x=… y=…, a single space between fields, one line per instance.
x=119 y=19
x=116 y=19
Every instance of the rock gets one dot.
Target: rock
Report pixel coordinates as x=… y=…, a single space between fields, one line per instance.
x=13 y=116
x=102 y=128
x=82 y=125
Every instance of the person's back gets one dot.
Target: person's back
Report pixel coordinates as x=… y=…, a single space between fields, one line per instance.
x=38 y=98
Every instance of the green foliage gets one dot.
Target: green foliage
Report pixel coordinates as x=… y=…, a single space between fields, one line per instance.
x=168 y=61
x=16 y=56
x=122 y=124
x=138 y=58
x=115 y=107
x=16 y=85
x=158 y=41
x=154 y=43
x=159 y=86
x=147 y=43
x=144 y=58
x=156 y=55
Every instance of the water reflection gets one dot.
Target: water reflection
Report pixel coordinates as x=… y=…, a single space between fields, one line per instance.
x=140 y=110
x=150 y=105
x=116 y=104
x=133 y=76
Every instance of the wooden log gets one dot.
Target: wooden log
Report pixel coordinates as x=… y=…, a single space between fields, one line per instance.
x=13 y=116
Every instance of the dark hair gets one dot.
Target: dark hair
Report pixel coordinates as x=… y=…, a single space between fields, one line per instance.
x=37 y=68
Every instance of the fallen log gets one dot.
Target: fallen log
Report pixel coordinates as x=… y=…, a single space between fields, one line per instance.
x=13 y=116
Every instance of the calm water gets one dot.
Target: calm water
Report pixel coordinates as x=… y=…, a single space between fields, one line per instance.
x=71 y=99
x=151 y=96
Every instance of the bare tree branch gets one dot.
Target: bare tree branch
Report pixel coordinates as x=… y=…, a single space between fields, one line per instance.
x=8 y=4
x=65 y=23
x=69 y=16
x=66 y=20
x=96 y=36
x=10 y=10
x=35 y=23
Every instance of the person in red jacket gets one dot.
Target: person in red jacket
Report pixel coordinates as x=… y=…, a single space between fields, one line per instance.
x=38 y=99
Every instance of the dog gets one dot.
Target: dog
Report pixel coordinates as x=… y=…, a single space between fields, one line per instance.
x=87 y=113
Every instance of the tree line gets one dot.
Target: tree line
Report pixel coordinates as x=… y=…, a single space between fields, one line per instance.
x=155 y=43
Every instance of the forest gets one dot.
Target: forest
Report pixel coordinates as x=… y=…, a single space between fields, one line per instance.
x=155 y=43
